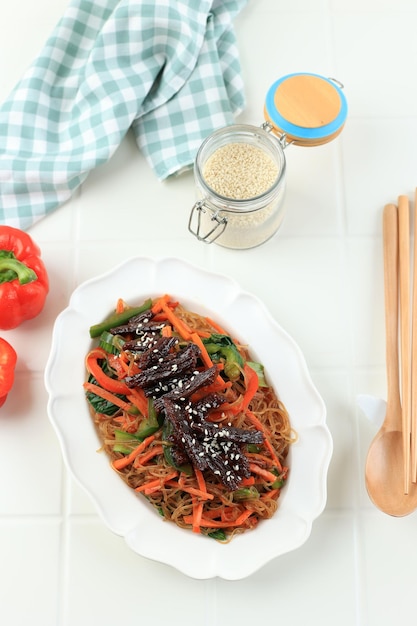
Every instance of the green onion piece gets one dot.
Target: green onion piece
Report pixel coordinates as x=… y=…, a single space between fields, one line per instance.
x=106 y=342
x=151 y=424
x=124 y=442
x=118 y=318
x=220 y=535
x=222 y=348
x=259 y=369
x=246 y=493
x=119 y=447
x=252 y=447
x=280 y=481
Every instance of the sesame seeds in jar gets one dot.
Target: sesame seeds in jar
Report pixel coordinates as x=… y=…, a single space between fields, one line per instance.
x=240 y=171
x=240 y=179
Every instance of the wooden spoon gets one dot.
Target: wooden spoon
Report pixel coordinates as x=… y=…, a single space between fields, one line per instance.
x=384 y=469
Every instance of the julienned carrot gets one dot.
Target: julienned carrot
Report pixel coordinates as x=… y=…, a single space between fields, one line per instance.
x=144 y=458
x=181 y=327
x=272 y=452
x=251 y=384
x=228 y=514
x=192 y=490
x=157 y=305
x=107 y=395
x=248 y=482
x=200 y=480
x=120 y=305
x=258 y=424
x=166 y=331
x=216 y=326
x=201 y=492
x=261 y=458
x=251 y=387
x=123 y=462
x=204 y=354
x=127 y=422
x=128 y=365
x=270 y=495
x=197 y=516
x=213 y=513
x=268 y=476
x=211 y=523
x=204 y=334
x=93 y=367
x=138 y=398
x=197 y=504
x=243 y=517
x=219 y=382
x=156 y=484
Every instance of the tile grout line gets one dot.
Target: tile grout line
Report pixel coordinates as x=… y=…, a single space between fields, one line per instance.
x=344 y=232
x=358 y=574
x=63 y=565
x=64 y=548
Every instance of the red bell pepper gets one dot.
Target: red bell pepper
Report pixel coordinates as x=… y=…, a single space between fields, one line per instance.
x=8 y=358
x=24 y=282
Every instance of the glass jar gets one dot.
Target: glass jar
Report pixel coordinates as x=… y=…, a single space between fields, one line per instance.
x=240 y=200
x=239 y=222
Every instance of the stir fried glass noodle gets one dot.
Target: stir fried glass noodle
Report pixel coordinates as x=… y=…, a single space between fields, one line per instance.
x=187 y=418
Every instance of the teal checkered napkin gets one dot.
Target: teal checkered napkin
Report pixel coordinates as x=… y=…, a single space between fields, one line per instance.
x=168 y=69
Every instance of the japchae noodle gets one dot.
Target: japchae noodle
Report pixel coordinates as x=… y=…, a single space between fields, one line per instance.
x=188 y=418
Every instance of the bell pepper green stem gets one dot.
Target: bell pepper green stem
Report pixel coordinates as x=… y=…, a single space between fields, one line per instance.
x=11 y=268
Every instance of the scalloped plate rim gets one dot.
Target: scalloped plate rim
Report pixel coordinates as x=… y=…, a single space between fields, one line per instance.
x=217 y=562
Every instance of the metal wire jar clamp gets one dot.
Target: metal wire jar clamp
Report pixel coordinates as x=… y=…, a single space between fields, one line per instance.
x=221 y=223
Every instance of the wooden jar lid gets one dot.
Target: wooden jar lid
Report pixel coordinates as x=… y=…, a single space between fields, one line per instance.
x=309 y=109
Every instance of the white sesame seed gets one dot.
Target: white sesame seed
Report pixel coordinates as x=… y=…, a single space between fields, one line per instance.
x=240 y=171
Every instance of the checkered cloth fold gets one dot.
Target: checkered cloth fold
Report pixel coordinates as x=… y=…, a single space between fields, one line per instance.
x=168 y=69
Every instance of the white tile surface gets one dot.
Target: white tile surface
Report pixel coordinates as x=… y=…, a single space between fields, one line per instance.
x=321 y=278
x=33 y=484
x=30 y=570
x=128 y=582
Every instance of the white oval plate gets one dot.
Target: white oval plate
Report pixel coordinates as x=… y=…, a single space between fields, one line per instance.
x=304 y=496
